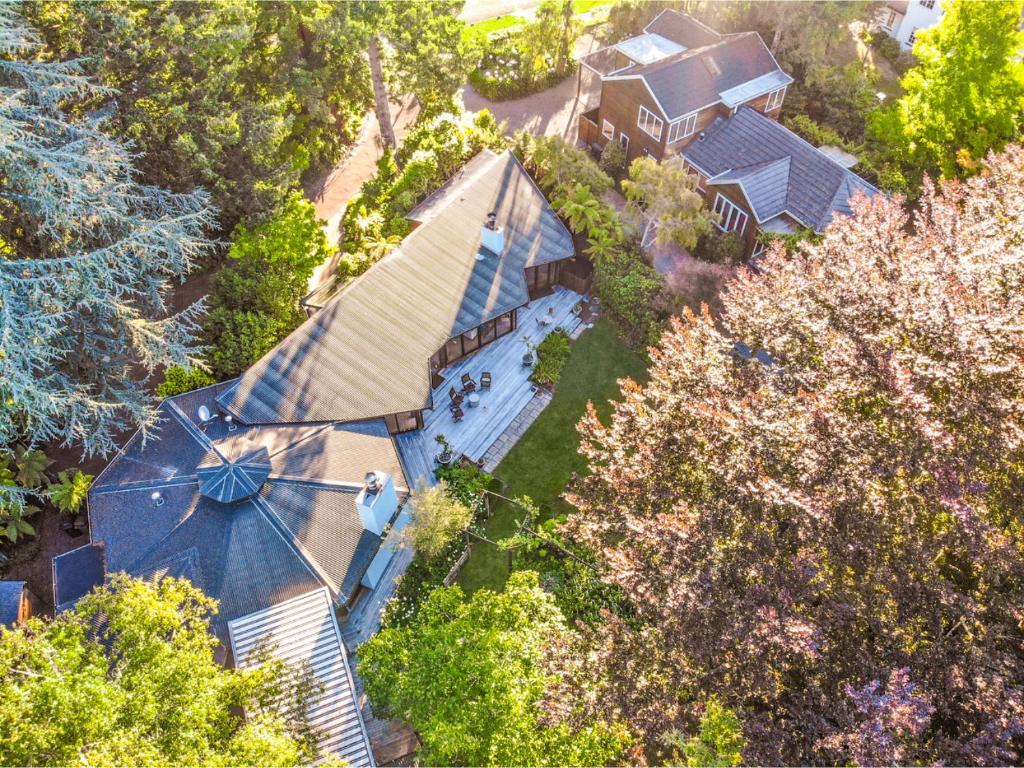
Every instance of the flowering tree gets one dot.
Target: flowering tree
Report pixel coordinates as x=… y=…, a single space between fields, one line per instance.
x=792 y=525
x=85 y=258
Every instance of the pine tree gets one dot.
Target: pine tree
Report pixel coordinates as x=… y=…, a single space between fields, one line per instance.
x=86 y=257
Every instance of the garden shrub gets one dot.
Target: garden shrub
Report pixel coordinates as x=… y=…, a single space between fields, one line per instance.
x=888 y=47
x=552 y=353
x=237 y=338
x=178 y=380
x=720 y=247
x=613 y=159
x=815 y=133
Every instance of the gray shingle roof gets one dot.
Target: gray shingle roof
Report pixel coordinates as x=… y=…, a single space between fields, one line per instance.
x=300 y=531
x=366 y=353
x=76 y=573
x=777 y=170
x=697 y=78
x=682 y=28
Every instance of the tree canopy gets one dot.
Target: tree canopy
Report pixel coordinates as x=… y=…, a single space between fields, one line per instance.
x=86 y=258
x=128 y=677
x=466 y=674
x=826 y=535
x=666 y=196
x=965 y=96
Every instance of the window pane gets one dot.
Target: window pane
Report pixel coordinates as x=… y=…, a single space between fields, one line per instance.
x=453 y=349
x=503 y=324
x=487 y=332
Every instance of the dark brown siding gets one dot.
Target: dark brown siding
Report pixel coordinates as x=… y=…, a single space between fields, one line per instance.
x=620 y=106
x=735 y=195
x=761 y=101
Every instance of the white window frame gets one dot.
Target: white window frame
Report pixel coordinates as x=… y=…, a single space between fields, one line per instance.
x=929 y=4
x=623 y=140
x=683 y=127
x=647 y=118
x=775 y=99
x=729 y=216
x=913 y=37
x=701 y=178
x=759 y=248
x=607 y=129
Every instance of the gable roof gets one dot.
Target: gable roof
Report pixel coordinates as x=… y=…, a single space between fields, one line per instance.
x=776 y=169
x=304 y=631
x=366 y=353
x=701 y=77
x=682 y=29
x=297 y=532
x=76 y=573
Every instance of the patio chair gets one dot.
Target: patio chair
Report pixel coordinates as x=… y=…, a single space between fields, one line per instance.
x=468 y=385
x=485 y=380
x=455 y=396
x=457 y=413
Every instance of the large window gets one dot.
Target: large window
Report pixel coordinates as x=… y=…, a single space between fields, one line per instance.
x=607 y=129
x=682 y=128
x=928 y=3
x=649 y=123
x=775 y=99
x=504 y=324
x=731 y=217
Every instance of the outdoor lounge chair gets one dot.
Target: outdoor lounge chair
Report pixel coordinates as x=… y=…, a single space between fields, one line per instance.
x=485 y=380
x=468 y=385
x=457 y=413
x=455 y=396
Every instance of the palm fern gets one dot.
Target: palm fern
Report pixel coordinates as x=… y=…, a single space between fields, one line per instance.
x=71 y=491
x=31 y=466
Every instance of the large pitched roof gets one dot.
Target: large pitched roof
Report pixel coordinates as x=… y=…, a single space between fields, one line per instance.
x=366 y=353
x=777 y=170
x=682 y=29
x=700 y=77
x=303 y=631
x=297 y=531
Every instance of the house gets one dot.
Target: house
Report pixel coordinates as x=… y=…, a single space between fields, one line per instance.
x=659 y=90
x=17 y=603
x=756 y=175
x=901 y=19
x=282 y=493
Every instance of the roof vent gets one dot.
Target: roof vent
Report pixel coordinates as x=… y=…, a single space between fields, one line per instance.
x=230 y=480
x=372 y=482
x=492 y=237
x=701 y=136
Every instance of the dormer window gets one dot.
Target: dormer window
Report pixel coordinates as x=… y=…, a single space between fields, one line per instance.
x=775 y=99
x=712 y=65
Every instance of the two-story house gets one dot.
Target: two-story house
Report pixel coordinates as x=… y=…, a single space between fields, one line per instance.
x=902 y=19
x=658 y=90
x=756 y=175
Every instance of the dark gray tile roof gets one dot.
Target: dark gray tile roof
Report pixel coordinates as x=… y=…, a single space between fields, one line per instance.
x=778 y=171
x=366 y=353
x=683 y=29
x=299 y=532
x=76 y=573
x=10 y=601
x=698 y=77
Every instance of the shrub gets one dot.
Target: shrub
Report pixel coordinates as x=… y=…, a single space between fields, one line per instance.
x=815 y=133
x=236 y=339
x=632 y=292
x=438 y=518
x=70 y=491
x=887 y=46
x=613 y=159
x=720 y=247
x=552 y=353
x=178 y=380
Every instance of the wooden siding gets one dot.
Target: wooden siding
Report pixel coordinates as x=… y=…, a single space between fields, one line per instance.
x=735 y=195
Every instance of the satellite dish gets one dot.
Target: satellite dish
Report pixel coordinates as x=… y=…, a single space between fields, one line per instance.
x=204 y=414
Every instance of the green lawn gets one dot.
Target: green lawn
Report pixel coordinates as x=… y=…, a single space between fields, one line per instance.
x=546 y=457
x=489 y=26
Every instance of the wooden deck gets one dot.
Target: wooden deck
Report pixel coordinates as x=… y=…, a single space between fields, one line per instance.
x=511 y=390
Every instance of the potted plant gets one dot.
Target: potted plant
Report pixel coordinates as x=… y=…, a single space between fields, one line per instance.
x=528 y=354
x=445 y=457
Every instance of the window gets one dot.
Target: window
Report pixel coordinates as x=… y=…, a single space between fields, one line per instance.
x=730 y=217
x=453 y=349
x=912 y=38
x=503 y=324
x=682 y=128
x=891 y=21
x=928 y=3
x=775 y=99
x=487 y=332
x=470 y=341
x=607 y=129
x=701 y=178
x=759 y=248
x=649 y=123
x=623 y=140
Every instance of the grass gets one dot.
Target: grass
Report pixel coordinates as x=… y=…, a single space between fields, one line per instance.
x=490 y=26
x=542 y=462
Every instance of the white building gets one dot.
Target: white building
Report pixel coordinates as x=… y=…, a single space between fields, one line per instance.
x=902 y=19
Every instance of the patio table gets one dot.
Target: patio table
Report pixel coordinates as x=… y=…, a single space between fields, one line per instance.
x=473 y=400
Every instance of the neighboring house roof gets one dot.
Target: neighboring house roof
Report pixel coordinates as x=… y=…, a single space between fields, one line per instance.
x=366 y=353
x=10 y=602
x=294 y=527
x=777 y=170
x=701 y=77
x=303 y=631
x=682 y=29
x=76 y=573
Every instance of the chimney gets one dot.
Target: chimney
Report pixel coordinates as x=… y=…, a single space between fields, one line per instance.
x=377 y=502
x=492 y=237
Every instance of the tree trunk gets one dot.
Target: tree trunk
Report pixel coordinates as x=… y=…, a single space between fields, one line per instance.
x=776 y=39
x=380 y=95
